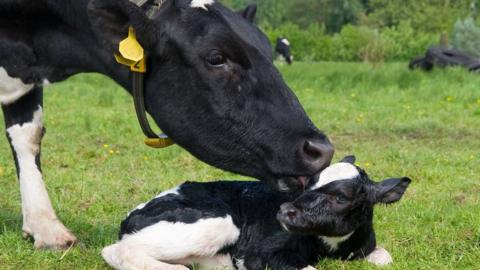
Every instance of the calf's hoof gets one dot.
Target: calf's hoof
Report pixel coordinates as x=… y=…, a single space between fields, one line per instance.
x=379 y=257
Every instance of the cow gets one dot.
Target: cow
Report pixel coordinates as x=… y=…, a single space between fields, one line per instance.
x=209 y=84
x=282 y=48
x=245 y=225
x=442 y=57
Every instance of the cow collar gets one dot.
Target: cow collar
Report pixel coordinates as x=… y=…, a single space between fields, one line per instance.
x=130 y=53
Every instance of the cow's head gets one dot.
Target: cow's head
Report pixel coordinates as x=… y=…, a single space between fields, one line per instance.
x=340 y=201
x=213 y=89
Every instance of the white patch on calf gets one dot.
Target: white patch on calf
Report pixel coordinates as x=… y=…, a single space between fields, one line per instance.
x=173 y=242
x=334 y=242
x=174 y=191
x=11 y=89
x=309 y=268
x=240 y=264
x=335 y=172
x=46 y=82
x=379 y=257
x=201 y=3
x=39 y=218
x=285 y=41
x=218 y=262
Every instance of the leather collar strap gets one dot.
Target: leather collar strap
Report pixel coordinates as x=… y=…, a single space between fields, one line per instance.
x=153 y=140
x=130 y=53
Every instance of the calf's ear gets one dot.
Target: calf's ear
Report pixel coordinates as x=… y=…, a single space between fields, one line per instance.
x=248 y=12
x=110 y=20
x=391 y=190
x=349 y=159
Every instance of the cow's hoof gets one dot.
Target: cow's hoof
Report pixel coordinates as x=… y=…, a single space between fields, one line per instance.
x=52 y=235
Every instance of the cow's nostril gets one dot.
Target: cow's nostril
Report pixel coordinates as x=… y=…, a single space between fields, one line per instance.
x=312 y=150
x=316 y=154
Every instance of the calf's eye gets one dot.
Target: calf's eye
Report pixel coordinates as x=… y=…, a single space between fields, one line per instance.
x=216 y=58
x=341 y=199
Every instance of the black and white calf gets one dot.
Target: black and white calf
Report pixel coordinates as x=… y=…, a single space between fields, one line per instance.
x=244 y=225
x=282 y=48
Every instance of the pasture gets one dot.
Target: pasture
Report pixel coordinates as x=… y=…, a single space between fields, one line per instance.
x=397 y=122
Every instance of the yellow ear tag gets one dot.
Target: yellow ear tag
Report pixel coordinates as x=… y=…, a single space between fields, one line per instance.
x=162 y=142
x=131 y=53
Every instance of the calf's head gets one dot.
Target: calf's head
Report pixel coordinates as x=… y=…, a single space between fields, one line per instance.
x=212 y=87
x=340 y=201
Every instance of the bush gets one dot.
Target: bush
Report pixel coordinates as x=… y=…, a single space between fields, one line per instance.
x=374 y=52
x=355 y=43
x=466 y=37
x=350 y=42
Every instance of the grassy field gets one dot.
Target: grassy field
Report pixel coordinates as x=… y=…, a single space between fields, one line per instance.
x=397 y=122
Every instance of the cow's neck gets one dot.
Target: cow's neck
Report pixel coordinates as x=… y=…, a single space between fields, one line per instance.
x=85 y=53
x=104 y=57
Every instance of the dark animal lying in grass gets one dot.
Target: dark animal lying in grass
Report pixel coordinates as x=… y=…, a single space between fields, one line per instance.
x=444 y=57
x=245 y=225
x=282 y=48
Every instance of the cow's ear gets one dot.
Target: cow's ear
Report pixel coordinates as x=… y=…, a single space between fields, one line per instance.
x=349 y=159
x=110 y=20
x=249 y=12
x=391 y=190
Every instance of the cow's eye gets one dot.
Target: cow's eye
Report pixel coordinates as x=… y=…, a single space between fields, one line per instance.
x=341 y=199
x=216 y=58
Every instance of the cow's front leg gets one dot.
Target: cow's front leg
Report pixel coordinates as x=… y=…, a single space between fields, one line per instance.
x=24 y=126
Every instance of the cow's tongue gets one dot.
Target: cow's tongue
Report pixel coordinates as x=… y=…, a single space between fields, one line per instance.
x=303 y=180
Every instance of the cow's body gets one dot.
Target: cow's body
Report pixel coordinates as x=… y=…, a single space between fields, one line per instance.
x=210 y=79
x=282 y=48
x=235 y=225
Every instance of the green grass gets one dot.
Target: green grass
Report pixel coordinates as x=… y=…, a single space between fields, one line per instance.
x=397 y=122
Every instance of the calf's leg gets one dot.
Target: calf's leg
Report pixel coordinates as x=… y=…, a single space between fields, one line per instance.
x=171 y=245
x=24 y=126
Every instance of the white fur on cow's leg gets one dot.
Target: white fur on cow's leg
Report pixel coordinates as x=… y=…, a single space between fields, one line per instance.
x=309 y=268
x=379 y=257
x=39 y=218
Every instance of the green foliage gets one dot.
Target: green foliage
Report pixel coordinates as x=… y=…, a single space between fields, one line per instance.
x=354 y=43
x=344 y=30
x=351 y=41
x=425 y=16
x=404 y=43
x=331 y=13
x=375 y=51
x=466 y=37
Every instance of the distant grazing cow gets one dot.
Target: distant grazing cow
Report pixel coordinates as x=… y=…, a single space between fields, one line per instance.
x=210 y=85
x=245 y=225
x=283 y=49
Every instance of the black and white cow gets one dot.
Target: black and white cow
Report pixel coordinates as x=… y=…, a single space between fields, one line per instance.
x=282 y=48
x=245 y=225
x=211 y=86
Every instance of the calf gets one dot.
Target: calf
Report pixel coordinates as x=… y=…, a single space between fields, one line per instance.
x=282 y=48
x=244 y=225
